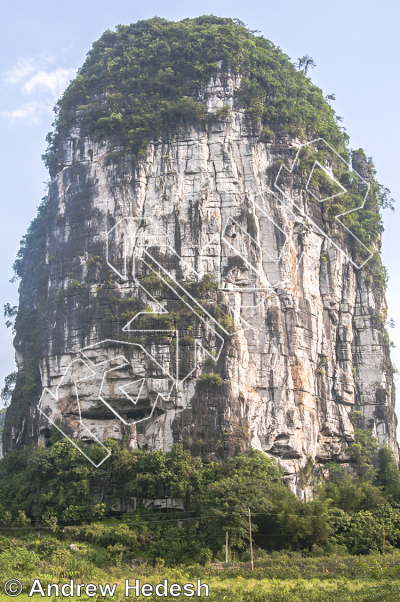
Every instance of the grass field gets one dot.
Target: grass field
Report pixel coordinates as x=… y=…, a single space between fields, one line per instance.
x=263 y=590
x=275 y=579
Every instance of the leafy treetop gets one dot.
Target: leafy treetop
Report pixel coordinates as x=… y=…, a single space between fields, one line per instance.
x=149 y=76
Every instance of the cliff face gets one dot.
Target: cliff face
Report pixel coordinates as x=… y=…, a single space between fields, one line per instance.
x=2 y=417
x=274 y=351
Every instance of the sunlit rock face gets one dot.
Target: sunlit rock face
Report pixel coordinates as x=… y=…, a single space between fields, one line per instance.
x=275 y=351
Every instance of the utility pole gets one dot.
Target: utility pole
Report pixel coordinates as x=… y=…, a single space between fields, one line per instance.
x=226 y=553
x=251 y=543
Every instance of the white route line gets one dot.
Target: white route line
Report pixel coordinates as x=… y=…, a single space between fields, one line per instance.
x=124 y=343
x=127 y=327
x=141 y=242
x=126 y=363
x=94 y=373
x=185 y=302
x=301 y=211
x=56 y=398
x=269 y=287
x=123 y=387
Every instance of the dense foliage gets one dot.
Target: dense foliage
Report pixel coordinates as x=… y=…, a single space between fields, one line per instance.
x=57 y=487
x=147 y=77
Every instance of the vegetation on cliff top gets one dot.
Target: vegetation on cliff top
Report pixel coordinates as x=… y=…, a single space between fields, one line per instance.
x=147 y=77
x=144 y=79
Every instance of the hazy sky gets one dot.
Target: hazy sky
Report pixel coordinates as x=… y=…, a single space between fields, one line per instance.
x=355 y=44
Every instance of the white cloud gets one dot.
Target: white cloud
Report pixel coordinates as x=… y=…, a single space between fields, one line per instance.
x=35 y=78
x=26 y=66
x=30 y=111
x=53 y=82
x=23 y=68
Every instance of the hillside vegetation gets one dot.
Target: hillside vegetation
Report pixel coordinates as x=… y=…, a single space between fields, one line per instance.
x=343 y=545
x=56 y=489
x=142 y=79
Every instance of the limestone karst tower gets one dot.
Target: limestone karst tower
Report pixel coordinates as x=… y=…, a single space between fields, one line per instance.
x=205 y=268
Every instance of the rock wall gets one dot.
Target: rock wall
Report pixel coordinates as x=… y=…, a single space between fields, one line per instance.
x=275 y=352
x=2 y=417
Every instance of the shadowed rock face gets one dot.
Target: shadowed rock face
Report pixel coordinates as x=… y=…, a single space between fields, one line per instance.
x=276 y=356
x=2 y=416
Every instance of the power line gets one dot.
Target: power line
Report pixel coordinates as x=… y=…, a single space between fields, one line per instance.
x=242 y=512
x=162 y=521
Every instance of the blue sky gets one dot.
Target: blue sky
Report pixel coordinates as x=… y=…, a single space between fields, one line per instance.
x=354 y=43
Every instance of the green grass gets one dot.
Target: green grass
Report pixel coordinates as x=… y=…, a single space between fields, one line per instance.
x=276 y=578
x=266 y=591
x=229 y=585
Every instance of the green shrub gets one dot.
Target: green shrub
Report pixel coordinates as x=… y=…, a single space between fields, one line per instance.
x=211 y=378
x=46 y=546
x=19 y=559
